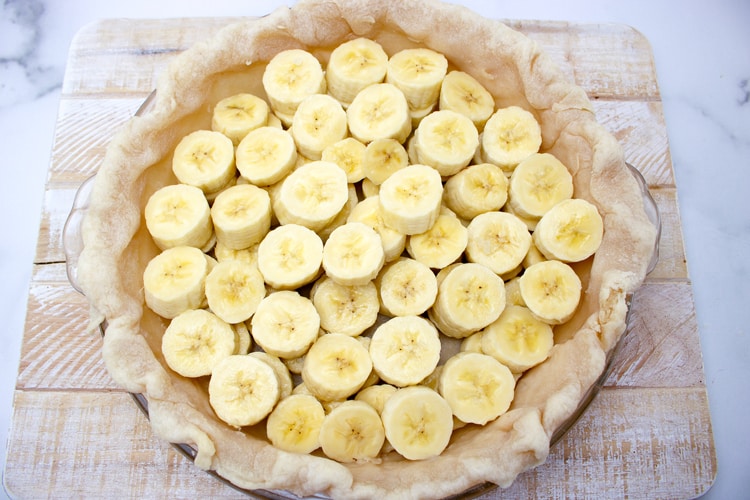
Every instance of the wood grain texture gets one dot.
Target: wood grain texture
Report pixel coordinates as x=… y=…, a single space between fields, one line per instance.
x=76 y=434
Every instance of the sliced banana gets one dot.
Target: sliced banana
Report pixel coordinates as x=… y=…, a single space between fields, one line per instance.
x=349 y=155
x=418 y=422
x=537 y=184
x=442 y=244
x=354 y=65
x=353 y=254
x=478 y=388
x=241 y=216
x=174 y=281
x=244 y=340
x=462 y=93
x=286 y=383
x=475 y=190
x=243 y=390
x=446 y=141
x=336 y=366
x=418 y=73
x=518 y=339
x=179 y=215
x=470 y=297
x=406 y=287
x=405 y=350
x=345 y=309
x=498 y=240
x=249 y=254
x=510 y=135
x=312 y=195
x=318 y=122
x=382 y=158
x=571 y=231
x=379 y=111
x=234 y=289
x=266 y=155
x=410 y=199
x=352 y=432
x=290 y=256
x=551 y=290
x=196 y=341
x=368 y=212
x=294 y=424
x=290 y=77
x=376 y=395
x=285 y=324
x=204 y=159
x=238 y=114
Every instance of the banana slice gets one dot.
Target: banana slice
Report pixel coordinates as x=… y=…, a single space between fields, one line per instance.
x=243 y=390
x=196 y=341
x=537 y=184
x=319 y=122
x=475 y=190
x=418 y=73
x=513 y=293
x=369 y=188
x=179 y=215
x=286 y=385
x=248 y=255
x=243 y=338
x=312 y=195
x=352 y=432
x=446 y=141
x=418 y=422
x=290 y=256
x=533 y=256
x=266 y=155
x=234 y=289
x=441 y=245
x=376 y=395
x=379 y=111
x=462 y=93
x=294 y=424
x=345 y=309
x=498 y=240
x=241 y=216
x=382 y=158
x=238 y=114
x=368 y=212
x=472 y=343
x=552 y=290
x=470 y=297
x=410 y=199
x=571 y=231
x=407 y=287
x=510 y=135
x=478 y=388
x=353 y=254
x=174 y=281
x=285 y=324
x=342 y=216
x=404 y=350
x=204 y=159
x=354 y=65
x=290 y=77
x=349 y=155
x=336 y=366
x=518 y=339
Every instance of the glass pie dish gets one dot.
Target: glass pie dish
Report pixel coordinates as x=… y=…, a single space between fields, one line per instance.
x=73 y=244
x=548 y=398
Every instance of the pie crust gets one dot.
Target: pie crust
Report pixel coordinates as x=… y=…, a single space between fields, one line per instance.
x=512 y=67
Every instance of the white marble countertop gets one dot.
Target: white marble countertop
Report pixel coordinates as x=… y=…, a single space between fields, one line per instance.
x=703 y=67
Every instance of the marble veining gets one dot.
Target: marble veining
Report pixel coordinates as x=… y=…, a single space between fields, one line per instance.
x=25 y=76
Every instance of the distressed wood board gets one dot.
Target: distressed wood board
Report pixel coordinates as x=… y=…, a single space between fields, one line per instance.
x=77 y=434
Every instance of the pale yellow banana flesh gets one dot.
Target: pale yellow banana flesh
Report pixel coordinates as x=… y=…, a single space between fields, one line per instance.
x=393 y=149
